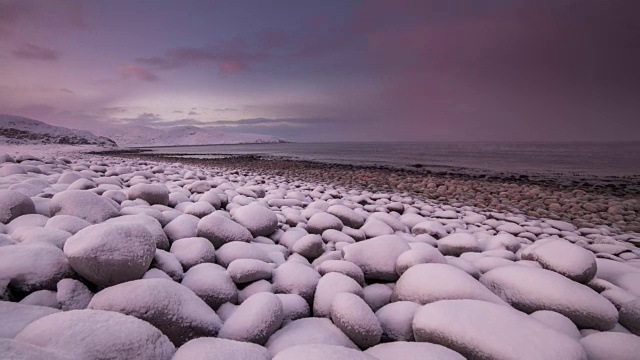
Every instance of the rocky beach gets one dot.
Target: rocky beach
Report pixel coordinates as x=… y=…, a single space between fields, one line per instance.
x=134 y=255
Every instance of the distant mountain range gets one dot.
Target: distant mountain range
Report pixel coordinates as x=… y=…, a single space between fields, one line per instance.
x=21 y=130
x=136 y=135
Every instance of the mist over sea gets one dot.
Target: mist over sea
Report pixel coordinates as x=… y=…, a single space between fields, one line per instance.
x=586 y=159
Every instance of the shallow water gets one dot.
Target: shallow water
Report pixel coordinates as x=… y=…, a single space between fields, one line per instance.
x=599 y=159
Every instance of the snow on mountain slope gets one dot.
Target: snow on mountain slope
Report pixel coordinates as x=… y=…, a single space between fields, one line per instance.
x=133 y=135
x=18 y=130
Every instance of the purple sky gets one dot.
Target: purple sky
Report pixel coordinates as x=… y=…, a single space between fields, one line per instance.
x=507 y=70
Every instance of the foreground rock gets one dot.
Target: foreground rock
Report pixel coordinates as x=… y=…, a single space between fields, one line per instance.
x=31 y=267
x=174 y=309
x=413 y=351
x=255 y=320
x=482 y=330
x=16 y=317
x=208 y=348
x=530 y=289
x=83 y=204
x=111 y=253
x=117 y=336
x=14 y=204
x=377 y=257
x=565 y=258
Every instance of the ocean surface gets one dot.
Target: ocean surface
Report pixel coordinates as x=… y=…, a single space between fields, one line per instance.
x=586 y=159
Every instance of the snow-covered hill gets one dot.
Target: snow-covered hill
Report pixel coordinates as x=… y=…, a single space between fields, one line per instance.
x=18 y=130
x=132 y=135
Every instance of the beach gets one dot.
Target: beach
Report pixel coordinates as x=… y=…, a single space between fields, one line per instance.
x=278 y=258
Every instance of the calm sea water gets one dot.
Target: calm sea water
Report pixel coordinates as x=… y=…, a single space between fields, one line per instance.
x=599 y=159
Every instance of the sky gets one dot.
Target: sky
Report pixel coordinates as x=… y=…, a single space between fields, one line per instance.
x=333 y=70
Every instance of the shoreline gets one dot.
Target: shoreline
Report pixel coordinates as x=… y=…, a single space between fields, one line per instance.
x=582 y=203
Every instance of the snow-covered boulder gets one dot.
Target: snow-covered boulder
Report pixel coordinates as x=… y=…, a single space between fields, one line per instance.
x=377 y=295
x=530 y=289
x=377 y=257
x=396 y=319
x=310 y=246
x=427 y=283
x=193 y=251
x=111 y=253
x=234 y=250
x=259 y=220
x=322 y=221
x=429 y=227
x=354 y=317
x=209 y=348
x=306 y=332
x=71 y=224
x=221 y=230
x=174 y=309
x=96 y=335
x=83 y=204
x=14 y=204
x=294 y=307
x=557 y=322
x=348 y=217
x=249 y=270
x=42 y=298
x=419 y=254
x=183 y=226
x=563 y=257
x=295 y=278
x=344 y=267
x=151 y=193
x=152 y=224
x=482 y=330
x=168 y=263
x=630 y=316
x=212 y=284
x=35 y=234
x=18 y=350
x=72 y=295
x=16 y=317
x=329 y=286
x=413 y=351
x=255 y=320
x=31 y=267
x=458 y=244
x=611 y=345
x=321 y=352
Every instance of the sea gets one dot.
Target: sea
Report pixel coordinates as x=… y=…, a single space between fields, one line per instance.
x=600 y=160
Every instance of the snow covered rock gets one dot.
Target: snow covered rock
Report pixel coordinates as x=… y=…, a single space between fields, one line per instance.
x=427 y=283
x=482 y=330
x=396 y=319
x=14 y=204
x=309 y=246
x=255 y=320
x=377 y=257
x=168 y=263
x=354 y=317
x=377 y=295
x=234 y=250
x=348 y=217
x=321 y=352
x=422 y=254
x=172 y=308
x=344 y=267
x=322 y=221
x=18 y=350
x=41 y=298
x=151 y=193
x=458 y=244
x=71 y=224
x=294 y=307
x=16 y=317
x=83 y=204
x=306 y=332
x=72 y=295
x=429 y=227
x=31 y=267
x=328 y=287
x=212 y=284
x=259 y=220
x=221 y=230
x=209 y=348
x=193 y=251
x=531 y=289
x=111 y=253
x=413 y=351
x=557 y=322
x=295 y=278
x=153 y=225
x=249 y=270
x=611 y=345
x=183 y=226
x=35 y=234
x=630 y=316
x=112 y=335
x=563 y=257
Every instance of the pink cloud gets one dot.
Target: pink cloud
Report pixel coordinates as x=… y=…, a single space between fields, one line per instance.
x=231 y=67
x=30 y=51
x=136 y=72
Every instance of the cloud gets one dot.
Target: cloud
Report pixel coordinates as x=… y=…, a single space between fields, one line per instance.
x=29 y=51
x=136 y=72
x=64 y=90
x=231 y=67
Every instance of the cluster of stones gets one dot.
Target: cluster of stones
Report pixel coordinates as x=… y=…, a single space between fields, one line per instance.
x=117 y=258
